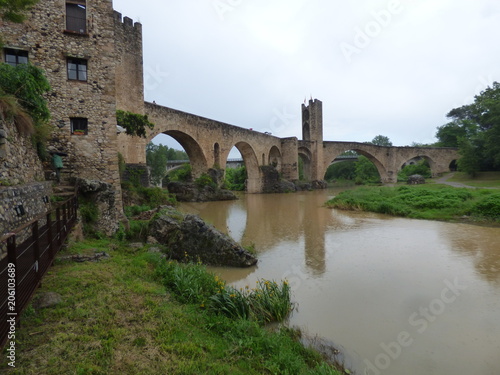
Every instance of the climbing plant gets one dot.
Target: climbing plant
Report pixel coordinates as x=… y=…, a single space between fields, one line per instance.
x=134 y=123
x=22 y=100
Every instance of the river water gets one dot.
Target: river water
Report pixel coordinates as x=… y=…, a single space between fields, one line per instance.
x=396 y=296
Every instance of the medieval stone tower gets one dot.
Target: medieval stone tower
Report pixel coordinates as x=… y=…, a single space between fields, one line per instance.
x=93 y=61
x=312 y=138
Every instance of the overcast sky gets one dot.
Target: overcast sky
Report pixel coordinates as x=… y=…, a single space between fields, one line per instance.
x=393 y=68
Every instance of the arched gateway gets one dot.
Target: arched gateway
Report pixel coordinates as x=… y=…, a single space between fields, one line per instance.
x=208 y=143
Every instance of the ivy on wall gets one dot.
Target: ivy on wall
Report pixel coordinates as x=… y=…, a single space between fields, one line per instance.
x=133 y=123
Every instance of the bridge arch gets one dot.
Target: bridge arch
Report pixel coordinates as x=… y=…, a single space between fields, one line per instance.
x=252 y=166
x=306 y=156
x=197 y=158
x=331 y=156
x=440 y=159
x=275 y=158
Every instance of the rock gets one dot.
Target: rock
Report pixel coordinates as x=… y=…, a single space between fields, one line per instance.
x=103 y=196
x=273 y=183
x=48 y=299
x=319 y=184
x=302 y=186
x=416 y=179
x=151 y=240
x=189 y=192
x=189 y=237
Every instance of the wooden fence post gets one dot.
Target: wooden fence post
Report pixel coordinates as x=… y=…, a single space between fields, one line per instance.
x=36 y=249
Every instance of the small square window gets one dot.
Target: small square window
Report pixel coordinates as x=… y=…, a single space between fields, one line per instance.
x=77 y=69
x=76 y=16
x=79 y=125
x=15 y=57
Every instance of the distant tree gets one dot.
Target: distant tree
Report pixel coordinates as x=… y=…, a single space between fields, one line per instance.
x=235 y=178
x=345 y=170
x=381 y=140
x=422 y=168
x=470 y=161
x=418 y=144
x=157 y=157
x=449 y=134
x=475 y=129
x=366 y=172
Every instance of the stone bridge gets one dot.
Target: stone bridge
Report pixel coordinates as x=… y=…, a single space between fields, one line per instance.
x=208 y=143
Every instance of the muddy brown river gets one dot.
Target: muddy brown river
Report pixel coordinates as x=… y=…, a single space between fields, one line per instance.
x=396 y=296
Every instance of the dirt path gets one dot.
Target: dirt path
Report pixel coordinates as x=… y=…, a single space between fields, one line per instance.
x=444 y=180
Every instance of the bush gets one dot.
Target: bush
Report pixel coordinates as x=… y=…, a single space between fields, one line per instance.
x=192 y=283
x=205 y=180
x=183 y=174
x=235 y=178
x=488 y=207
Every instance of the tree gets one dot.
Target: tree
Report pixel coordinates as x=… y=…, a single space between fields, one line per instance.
x=345 y=170
x=134 y=123
x=366 y=171
x=22 y=100
x=475 y=129
x=12 y=10
x=381 y=140
x=449 y=134
x=469 y=162
x=157 y=157
x=29 y=85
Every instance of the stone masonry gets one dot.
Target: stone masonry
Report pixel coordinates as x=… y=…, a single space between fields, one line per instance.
x=111 y=51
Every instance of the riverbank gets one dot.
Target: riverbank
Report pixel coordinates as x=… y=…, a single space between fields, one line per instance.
x=116 y=317
x=429 y=202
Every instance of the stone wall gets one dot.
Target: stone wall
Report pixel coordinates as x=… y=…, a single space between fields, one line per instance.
x=129 y=65
x=19 y=162
x=21 y=204
x=112 y=50
x=137 y=174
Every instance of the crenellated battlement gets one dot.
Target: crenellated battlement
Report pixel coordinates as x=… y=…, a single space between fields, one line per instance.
x=126 y=21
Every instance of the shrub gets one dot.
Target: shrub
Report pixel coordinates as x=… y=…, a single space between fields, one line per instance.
x=192 y=283
x=488 y=207
x=205 y=180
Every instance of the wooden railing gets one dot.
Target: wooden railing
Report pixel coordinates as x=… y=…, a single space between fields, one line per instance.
x=21 y=271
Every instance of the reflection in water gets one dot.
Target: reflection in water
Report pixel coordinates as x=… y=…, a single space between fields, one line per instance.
x=372 y=283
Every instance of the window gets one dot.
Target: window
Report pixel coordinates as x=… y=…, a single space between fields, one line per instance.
x=15 y=57
x=77 y=69
x=76 y=16
x=79 y=125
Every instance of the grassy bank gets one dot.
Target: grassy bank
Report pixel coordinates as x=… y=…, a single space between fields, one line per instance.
x=431 y=202
x=481 y=180
x=124 y=315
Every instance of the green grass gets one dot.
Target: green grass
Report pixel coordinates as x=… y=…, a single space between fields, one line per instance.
x=119 y=316
x=431 y=202
x=482 y=179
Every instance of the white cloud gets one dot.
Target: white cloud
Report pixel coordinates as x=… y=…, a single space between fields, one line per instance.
x=265 y=56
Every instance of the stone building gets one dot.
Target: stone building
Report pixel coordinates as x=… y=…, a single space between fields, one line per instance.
x=93 y=61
